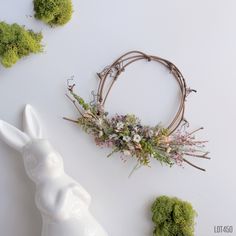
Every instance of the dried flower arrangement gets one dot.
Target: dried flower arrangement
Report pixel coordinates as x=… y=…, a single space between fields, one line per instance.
x=17 y=42
x=125 y=133
x=173 y=217
x=53 y=12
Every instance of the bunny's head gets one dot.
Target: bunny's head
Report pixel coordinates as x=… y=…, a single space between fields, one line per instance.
x=40 y=159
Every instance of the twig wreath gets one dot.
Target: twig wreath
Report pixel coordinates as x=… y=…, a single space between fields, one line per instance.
x=125 y=133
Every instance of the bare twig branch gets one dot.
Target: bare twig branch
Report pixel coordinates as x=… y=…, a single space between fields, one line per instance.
x=191 y=164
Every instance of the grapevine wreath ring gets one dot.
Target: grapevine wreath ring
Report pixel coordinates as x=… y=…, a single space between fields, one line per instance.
x=125 y=133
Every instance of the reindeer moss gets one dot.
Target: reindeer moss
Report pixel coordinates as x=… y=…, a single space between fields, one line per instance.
x=53 y=12
x=173 y=217
x=17 y=42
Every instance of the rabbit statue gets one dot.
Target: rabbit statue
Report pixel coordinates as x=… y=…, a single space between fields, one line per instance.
x=62 y=202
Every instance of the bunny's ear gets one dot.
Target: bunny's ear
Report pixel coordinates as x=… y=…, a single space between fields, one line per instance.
x=31 y=123
x=13 y=136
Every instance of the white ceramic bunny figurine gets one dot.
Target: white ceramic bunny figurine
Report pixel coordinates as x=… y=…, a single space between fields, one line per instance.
x=63 y=203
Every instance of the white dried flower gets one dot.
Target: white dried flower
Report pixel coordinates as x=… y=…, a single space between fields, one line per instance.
x=99 y=122
x=88 y=114
x=119 y=125
x=136 y=138
x=150 y=133
x=126 y=138
x=126 y=152
x=133 y=133
x=157 y=132
x=131 y=147
x=113 y=136
x=100 y=134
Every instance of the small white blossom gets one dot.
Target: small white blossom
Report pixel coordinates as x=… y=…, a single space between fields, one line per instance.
x=131 y=146
x=136 y=138
x=99 y=122
x=120 y=125
x=100 y=134
x=126 y=152
x=157 y=132
x=126 y=138
x=113 y=136
x=100 y=107
x=150 y=133
x=88 y=114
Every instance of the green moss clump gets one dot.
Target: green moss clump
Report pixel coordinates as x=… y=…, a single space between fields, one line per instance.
x=173 y=217
x=53 y=12
x=17 y=42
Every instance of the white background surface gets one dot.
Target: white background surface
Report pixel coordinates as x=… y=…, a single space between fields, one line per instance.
x=199 y=36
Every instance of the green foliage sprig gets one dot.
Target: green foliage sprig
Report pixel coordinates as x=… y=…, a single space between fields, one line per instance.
x=53 y=12
x=17 y=42
x=173 y=217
